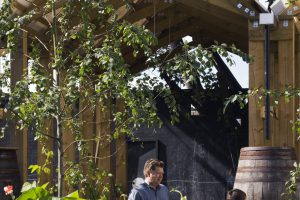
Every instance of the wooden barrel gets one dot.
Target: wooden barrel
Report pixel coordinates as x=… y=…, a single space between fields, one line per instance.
x=263 y=171
x=9 y=171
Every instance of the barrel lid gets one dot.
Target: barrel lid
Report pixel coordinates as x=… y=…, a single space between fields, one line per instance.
x=265 y=148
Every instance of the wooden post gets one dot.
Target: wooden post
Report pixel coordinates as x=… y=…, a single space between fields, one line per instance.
x=282 y=74
x=18 y=65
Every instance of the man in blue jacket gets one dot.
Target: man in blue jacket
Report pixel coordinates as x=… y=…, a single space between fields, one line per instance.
x=151 y=189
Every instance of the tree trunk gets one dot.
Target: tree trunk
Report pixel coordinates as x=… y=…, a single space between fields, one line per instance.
x=57 y=117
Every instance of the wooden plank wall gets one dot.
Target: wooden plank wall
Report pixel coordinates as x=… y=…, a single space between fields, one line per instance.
x=283 y=72
x=95 y=123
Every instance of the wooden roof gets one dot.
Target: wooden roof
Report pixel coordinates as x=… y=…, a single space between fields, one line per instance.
x=205 y=20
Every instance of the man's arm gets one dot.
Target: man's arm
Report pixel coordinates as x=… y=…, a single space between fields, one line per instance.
x=134 y=195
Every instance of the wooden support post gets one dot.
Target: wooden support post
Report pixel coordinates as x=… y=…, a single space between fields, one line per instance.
x=16 y=136
x=282 y=73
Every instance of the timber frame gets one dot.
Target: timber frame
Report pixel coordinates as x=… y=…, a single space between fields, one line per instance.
x=225 y=21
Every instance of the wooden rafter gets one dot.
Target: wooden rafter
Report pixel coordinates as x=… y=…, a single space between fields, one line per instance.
x=245 y=7
x=205 y=20
x=215 y=12
x=220 y=6
x=146 y=10
x=139 y=62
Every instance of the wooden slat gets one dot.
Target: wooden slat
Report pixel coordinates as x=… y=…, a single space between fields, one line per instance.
x=274 y=120
x=286 y=77
x=256 y=71
x=27 y=9
x=284 y=109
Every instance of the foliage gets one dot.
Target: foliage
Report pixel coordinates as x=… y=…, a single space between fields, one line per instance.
x=32 y=191
x=88 y=69
x=259 y=93
x=290 y=2
x=291 y=185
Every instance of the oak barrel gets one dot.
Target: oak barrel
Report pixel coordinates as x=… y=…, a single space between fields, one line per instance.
x=263 y=171
x=9 y=171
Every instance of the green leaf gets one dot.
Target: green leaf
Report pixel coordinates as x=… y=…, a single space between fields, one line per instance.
x=45 y=185
x=74 y=195
x=34 y=168
x=27 y=186
x=35 y=193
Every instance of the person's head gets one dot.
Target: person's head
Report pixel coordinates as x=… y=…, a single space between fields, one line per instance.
x=154 y=171
x=236 y=194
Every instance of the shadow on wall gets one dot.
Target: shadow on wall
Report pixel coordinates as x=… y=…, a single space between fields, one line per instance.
x=201 y=152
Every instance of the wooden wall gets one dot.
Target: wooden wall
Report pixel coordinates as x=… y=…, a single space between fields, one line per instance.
x=284 y=68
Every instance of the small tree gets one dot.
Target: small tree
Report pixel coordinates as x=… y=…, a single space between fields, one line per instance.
x=86 y=63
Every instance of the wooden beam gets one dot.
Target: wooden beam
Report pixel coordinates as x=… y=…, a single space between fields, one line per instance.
x=19 y=6
x=203 y=33
x=138 y=63
x=213 y=5
x=171 y=18
x=207 y=39
x=143 y=11
x=220 y=29
x=140 y=12
x=225 y=18
x=245 y=7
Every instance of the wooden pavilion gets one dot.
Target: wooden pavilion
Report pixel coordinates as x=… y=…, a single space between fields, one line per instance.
x=206 y=21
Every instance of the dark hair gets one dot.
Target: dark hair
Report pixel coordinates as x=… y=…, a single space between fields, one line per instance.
x=151 y=164
x=236 y=194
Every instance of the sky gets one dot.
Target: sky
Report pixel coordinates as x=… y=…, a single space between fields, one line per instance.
x=239 y=69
